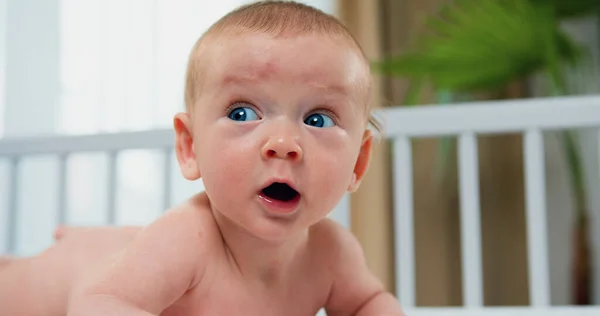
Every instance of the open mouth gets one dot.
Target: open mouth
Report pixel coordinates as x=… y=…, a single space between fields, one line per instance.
x=280 y=192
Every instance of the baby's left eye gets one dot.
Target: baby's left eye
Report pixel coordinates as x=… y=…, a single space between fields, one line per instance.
x=319 y=120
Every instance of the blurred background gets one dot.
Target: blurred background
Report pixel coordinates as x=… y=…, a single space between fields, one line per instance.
x=97 y=66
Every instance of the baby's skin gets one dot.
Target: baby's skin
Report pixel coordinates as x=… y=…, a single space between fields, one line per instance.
x=326 y=269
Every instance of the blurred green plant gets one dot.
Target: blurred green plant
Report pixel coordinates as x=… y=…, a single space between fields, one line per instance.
x=472 y=46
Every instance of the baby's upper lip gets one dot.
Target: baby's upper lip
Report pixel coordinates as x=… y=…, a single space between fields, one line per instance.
x=279 y=180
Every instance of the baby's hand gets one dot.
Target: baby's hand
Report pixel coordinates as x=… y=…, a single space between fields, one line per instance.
x=162 y=262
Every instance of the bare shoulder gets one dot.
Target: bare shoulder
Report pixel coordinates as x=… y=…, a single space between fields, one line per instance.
x=191 y=223
x=336 y=241
x=185 y=236
x=353 y=284
x=171 y=253
x=193 y=215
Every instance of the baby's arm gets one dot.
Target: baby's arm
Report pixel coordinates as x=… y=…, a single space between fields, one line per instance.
x=356 y=291
x=163 y=262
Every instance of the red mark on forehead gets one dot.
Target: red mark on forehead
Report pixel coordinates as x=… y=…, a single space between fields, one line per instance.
x=255 y=72
x=266 y=69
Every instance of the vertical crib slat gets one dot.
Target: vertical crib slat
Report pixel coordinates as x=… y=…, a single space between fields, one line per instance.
x=167 y=179
x=61 y=213
x=470 y=220
x=536 y=218
x=111 y=217
x=403 y=221
x=11 y=228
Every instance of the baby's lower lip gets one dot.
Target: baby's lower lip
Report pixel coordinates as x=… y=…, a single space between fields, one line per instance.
x=279 y=206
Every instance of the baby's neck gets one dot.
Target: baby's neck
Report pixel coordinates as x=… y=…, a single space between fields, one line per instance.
x=260 y=261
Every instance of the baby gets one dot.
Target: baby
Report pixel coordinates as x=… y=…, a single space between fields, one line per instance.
x=277 y=108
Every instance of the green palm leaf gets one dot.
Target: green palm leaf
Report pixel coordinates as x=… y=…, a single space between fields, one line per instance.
x=481 y=45
x=572 y=8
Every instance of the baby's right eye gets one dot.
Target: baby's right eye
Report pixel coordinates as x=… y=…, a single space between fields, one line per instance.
x=242 y=114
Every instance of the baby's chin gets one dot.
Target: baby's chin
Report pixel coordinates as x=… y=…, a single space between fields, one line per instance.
x=269 y=230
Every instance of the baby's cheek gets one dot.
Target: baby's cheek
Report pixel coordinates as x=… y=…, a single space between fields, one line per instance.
x=230 y=165
x=332 y=175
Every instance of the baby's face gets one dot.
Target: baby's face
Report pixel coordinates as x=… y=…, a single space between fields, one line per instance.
x=285 y=111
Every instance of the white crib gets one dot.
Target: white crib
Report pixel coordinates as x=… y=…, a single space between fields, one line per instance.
x=466 y=121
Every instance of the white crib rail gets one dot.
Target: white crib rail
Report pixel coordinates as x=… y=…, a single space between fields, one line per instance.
x=530 y=117
x=62 y=146
x=505 y=311
x=493 y=117
x=539 y=290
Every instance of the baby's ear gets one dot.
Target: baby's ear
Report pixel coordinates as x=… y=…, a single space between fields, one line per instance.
x=362 y=162
x=184 y=147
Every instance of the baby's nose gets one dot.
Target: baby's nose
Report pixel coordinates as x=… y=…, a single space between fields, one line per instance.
x=282 y=148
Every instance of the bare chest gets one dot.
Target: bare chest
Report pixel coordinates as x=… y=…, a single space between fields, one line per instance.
x=226 y=296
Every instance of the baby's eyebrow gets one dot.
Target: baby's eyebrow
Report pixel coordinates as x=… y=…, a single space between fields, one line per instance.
x=333 y=88
x=240 y=78
x=252 y=78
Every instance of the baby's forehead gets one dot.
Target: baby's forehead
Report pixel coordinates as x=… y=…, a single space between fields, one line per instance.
x=310 y=59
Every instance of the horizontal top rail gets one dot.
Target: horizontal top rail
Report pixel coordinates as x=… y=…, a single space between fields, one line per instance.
x=493 y=116
x=504 y=311
x=420 y=121
x=64 y=144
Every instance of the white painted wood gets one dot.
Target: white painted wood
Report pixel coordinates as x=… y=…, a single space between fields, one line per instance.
x=404 y=221
x=505 y=311
x=594 y=198
x=11 y=225
x=470 y=220
x=494 y=116
x=62 y=190
x=111 y=215
x=5 y=192
x=152 y=139
x=535 y=201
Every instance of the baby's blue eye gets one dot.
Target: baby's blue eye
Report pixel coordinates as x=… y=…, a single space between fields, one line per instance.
x=319 y=120
x=243 y=114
